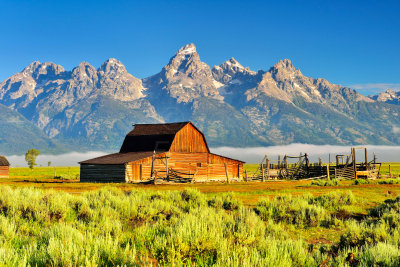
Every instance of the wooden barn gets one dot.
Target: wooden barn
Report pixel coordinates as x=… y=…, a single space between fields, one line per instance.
x=170 y=151
x=4 y=167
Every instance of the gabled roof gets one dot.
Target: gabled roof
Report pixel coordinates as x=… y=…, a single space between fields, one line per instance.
x=118 y=158
x=148 y=137
x=4 y=161
x=157 y=129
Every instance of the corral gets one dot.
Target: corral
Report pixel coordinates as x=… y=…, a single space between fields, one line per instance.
x=345 y=167
x=162 y=152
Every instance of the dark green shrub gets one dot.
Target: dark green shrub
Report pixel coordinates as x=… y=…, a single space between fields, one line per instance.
x=225 y=201
x=325 y=182
x=391 y=204
x=361 y=181
x=389 y=181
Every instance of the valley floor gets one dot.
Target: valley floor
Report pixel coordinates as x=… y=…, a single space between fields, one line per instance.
x=274 y=223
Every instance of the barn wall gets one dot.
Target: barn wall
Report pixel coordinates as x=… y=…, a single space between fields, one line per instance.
x=4 y=171
x=188 y=139
x=103 y=173
x=184 y=164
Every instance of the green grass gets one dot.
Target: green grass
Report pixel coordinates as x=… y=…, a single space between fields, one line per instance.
x=188 y=228
x=45 y=172
x=394 y=166
x=48 y=172
x=250 y=168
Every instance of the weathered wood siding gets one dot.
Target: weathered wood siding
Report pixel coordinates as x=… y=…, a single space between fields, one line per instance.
x=188 y=139
x=103 y=173
x=4 y=171
x=207 y=166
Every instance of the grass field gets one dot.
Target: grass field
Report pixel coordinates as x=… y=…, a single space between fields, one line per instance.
x=275 y=223
x=45 y=172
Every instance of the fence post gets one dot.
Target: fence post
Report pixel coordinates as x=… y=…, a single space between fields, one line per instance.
x=166 y=167
x=262 y=170
x=267 y=162
x=226 y=173
x=245 y=175
x=327 y=171
x=390 y=172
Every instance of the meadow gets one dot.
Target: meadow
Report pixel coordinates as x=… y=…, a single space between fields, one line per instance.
x=58 y=222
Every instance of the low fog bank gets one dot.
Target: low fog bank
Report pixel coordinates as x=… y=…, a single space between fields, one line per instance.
x=68 y=159
x=256 y=154
x=249 y=155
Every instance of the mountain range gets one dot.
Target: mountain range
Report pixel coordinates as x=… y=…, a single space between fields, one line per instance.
x=54 y=110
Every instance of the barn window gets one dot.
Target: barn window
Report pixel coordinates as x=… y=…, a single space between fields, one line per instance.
x=198 y=164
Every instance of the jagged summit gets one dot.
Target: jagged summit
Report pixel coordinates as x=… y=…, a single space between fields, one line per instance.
x=112 y=63
x=31 y=67
x=112 y=68
x=389 y=96
x=285 y=64
x=185 y=78
x=37 y=69
x=83 y=68
x=231 y=70
x=232 y=62
x=187 y=49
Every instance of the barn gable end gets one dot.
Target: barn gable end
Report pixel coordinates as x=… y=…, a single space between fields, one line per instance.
x=189 y=139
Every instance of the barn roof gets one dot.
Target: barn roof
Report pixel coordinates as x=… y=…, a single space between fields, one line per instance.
x=4 y=161
x=157 y=129
x=141 y=142
x=228 y=158
x=119 y=158
x=148 y=137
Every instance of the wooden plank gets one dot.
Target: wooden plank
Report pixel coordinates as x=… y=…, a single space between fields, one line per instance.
x=262 y=172
x=327 y=171
x=226 y=172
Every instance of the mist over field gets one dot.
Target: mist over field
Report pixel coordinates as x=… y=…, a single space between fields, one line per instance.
x=249 y=155
x=67 y=159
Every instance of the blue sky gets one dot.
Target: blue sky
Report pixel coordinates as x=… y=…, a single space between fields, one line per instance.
x=347 y=42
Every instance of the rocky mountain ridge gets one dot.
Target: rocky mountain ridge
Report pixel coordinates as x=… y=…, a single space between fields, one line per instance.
x=389 y=96
x=89 y=108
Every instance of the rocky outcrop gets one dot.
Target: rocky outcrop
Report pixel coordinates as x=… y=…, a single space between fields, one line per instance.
x=389 y=96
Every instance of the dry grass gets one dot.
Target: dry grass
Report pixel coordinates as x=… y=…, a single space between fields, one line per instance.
x=248 y=192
